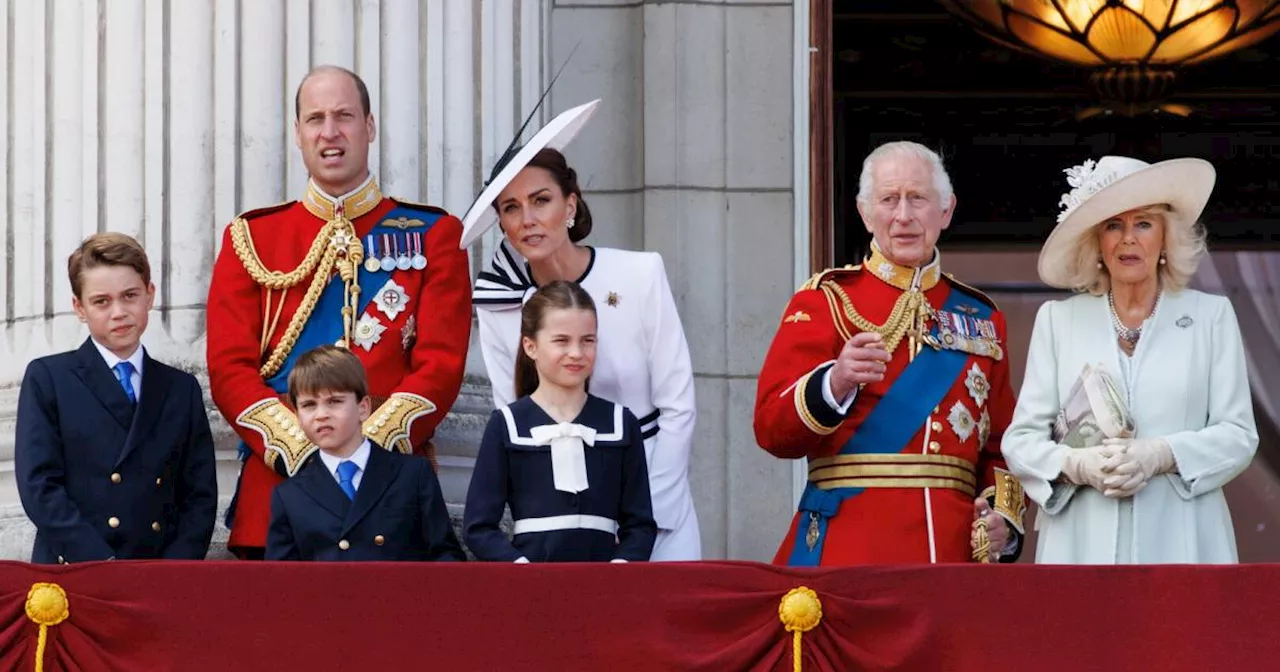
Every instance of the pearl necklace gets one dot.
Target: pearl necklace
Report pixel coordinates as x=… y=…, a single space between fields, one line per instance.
x=1126 y=334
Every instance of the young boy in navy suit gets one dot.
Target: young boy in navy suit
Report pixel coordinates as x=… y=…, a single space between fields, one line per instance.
x=114 y=458
x=353 y=500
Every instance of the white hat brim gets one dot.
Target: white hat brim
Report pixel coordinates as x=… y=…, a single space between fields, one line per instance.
x=1183 y=184
x=555 y=135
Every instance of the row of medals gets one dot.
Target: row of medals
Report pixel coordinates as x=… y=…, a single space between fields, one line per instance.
x=393 y=256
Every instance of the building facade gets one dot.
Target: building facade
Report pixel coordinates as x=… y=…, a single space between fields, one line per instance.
x=164 y=120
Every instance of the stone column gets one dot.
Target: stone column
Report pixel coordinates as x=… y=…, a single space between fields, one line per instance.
x=164 y=120
x=691 y=155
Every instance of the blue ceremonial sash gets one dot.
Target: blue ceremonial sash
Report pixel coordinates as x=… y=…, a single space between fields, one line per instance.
x=888 y=427
x=324 y=326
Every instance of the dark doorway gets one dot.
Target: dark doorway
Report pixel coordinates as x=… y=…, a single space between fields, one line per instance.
x=1006 y=125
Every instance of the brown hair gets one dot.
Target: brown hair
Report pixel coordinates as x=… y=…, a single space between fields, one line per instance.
x=360 y=88
x=566 y=178
x=327 y=368
x=107 y=249
x=559 y=295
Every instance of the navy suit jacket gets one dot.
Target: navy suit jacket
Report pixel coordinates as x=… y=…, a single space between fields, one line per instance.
x=398 y=514
x=102 y=479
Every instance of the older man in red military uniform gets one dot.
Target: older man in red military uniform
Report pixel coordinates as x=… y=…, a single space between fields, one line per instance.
x=891 y=379
x=344 y=265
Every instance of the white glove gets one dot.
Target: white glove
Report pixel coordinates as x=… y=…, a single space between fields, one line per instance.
x=1134 y=463
x=1085 y=466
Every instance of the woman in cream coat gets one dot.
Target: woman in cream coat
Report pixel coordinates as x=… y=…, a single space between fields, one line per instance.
x=1128 y=243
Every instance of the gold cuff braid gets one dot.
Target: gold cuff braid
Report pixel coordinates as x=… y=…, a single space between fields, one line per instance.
x=281 y=435
x=390 y=423
x=1010 y=502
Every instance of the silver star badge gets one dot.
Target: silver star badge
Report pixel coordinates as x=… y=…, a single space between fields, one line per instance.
x=391 y=299
x=368 y=331
x=979 y=386
x=961 y=421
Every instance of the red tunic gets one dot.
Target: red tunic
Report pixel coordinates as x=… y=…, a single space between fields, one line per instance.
x=419 y=354
x=925 y=521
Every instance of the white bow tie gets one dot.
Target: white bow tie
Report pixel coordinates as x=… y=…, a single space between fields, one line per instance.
x=568 y=456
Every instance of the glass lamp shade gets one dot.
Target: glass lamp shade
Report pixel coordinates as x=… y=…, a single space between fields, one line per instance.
x=1149 y=35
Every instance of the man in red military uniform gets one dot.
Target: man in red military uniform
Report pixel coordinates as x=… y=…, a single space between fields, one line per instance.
x=344 y=265
x=890 y=377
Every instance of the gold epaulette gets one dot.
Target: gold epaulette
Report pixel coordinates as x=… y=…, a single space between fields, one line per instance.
x=421 y=206
x=816 y=279
x=977 y=293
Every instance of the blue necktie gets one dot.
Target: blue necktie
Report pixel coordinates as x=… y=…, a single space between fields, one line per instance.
x=347 y=471
x=124 y=371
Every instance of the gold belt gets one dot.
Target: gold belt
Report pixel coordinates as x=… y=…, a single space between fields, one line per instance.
x=893 y=470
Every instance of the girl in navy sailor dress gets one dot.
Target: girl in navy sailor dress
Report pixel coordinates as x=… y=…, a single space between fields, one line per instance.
x=570 y=465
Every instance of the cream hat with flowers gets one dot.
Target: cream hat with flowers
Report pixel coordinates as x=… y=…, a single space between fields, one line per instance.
x=1117 y=184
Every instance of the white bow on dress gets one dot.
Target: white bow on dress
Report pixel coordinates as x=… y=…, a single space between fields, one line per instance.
x=568 y=456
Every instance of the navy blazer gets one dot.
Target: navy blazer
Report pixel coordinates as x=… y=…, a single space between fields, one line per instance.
x=398 y=514
x=101 y=479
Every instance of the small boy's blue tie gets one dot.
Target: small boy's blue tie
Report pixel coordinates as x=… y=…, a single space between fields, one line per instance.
x=347 y=471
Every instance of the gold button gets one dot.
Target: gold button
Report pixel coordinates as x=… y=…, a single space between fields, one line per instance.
x=936 y=426
x=934 y=446
x=113 y=522
x=155 y=527
x=379 y=540
x=344 y=544
x=157 y=482
x=115 y=478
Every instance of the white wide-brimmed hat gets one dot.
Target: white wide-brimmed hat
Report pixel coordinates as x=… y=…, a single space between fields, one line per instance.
x=1117 y=184
x=555 y=135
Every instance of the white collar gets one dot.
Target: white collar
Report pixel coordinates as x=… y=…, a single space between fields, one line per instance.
x=360 y=457
x=111 y=359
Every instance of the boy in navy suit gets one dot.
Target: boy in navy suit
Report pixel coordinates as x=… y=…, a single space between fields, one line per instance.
x=353 y=500
x=114 y=458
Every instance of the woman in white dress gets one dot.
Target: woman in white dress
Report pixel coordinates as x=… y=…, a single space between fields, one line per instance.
x=1128 y=242
x=643 y=357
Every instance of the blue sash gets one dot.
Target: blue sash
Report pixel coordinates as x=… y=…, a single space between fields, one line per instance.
x=325 y=323
x=888 y=427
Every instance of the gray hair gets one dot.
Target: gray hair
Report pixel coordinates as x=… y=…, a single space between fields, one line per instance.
x=1184 y=247
x=941 y=180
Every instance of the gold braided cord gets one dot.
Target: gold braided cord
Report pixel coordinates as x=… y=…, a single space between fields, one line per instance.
x=243 y=244
x=837 y=319
x=982 y=548
x=336 y=245
x=908 y=315
x=300 y=316
x=269 y=330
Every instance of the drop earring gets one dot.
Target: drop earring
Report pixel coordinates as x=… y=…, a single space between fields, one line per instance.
x=1162 y=259
x=1099 y=264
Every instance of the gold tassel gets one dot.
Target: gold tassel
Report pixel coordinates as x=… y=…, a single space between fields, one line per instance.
x=47 y=606
x=800 y=611
x=982 y=552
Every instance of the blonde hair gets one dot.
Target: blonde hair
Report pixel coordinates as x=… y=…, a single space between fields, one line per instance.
x=1184 y=246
